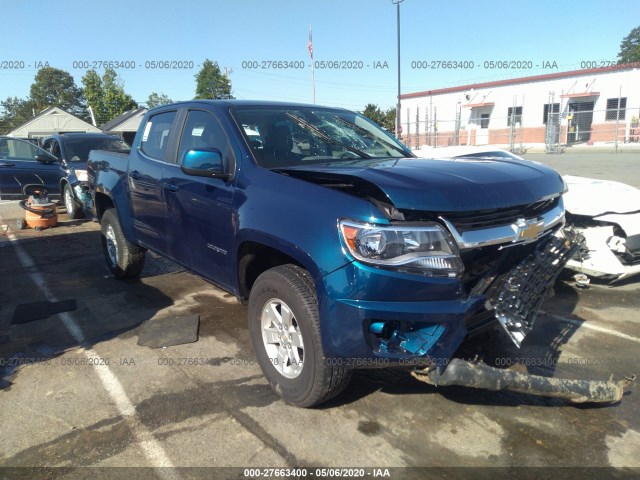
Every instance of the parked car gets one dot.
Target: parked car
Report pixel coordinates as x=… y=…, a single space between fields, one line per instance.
x=350 y=252
x=72 y=151
x=22 y=163
x=603 y=216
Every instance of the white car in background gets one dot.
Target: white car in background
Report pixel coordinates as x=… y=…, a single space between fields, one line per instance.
x=602 y=215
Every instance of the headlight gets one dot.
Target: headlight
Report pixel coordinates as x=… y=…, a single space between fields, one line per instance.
x=427 y=249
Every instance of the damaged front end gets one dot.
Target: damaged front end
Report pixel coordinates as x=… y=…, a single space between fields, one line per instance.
x=475 y=269
x=513 y=278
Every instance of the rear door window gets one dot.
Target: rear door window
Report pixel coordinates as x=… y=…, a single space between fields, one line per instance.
x=155 y=139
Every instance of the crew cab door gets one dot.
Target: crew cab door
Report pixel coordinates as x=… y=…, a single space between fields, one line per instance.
x=199 y=209
x=144 y=178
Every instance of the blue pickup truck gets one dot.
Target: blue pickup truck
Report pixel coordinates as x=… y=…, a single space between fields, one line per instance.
x=350 y=252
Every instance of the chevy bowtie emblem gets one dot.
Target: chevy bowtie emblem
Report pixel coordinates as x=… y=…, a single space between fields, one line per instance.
x=528 y=229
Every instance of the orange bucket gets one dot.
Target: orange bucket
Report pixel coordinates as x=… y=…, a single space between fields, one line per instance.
x=41 y=215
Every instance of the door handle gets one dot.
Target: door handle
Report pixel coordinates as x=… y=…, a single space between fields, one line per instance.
x=135 y=174
x=172 y=187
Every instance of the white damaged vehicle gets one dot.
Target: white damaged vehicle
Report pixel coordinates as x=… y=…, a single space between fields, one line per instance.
x=606 y=217
x=603 y=216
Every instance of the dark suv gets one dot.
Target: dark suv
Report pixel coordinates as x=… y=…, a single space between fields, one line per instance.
x=72 y=151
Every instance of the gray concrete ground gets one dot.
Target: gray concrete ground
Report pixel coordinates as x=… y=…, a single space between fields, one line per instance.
x=620 y=167
x=79 y=392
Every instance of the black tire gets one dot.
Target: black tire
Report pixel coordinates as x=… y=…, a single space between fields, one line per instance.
x=291 y=287
x=74 y=209
x=124 y=259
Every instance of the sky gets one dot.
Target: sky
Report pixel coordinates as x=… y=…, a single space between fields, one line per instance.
x=445 y=43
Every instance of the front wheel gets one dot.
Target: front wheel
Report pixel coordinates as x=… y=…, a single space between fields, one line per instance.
x=74 y=209
x=285 y=331
x=124 y=259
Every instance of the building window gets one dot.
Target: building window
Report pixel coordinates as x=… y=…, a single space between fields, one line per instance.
x=515 y=115
x=484 y=120
x=612 y=108
x=549 y=108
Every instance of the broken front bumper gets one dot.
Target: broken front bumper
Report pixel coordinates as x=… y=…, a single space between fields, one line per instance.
x=478 y=375
x=401 y=316
x=420 y=322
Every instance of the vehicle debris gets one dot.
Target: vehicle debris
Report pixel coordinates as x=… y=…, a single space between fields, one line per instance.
x=606 y=217
x=479 y=375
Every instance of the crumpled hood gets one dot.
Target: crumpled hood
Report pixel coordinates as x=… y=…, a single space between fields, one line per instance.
x=445 y=185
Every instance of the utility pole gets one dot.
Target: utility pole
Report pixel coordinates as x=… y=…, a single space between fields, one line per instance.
x=398 y=127
x=313 y=67
x=227 y=73
x=615 y=149
x=93 y=118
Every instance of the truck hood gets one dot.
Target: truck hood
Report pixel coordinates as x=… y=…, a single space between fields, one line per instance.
x=439 y=185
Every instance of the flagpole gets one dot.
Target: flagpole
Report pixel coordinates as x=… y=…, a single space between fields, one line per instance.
x=313 y=67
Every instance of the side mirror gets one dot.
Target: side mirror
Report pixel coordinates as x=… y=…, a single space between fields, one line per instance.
x=204 y=163
x=45 y=158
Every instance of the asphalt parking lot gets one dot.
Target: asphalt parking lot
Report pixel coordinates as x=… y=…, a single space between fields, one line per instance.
x=78 y=390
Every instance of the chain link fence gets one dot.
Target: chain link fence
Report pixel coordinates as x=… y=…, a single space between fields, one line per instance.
x=559 y=125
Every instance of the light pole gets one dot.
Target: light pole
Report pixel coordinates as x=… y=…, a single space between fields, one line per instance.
x=398 y=127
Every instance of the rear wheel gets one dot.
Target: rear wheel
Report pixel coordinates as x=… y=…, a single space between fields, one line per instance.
x=285 y=331
x=74 y=209
x=124 y=259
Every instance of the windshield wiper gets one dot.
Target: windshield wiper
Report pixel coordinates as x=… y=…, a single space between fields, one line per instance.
x=304 y=124
x=366 y=132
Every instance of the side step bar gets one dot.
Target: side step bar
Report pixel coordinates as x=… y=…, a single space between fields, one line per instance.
x=479 y=375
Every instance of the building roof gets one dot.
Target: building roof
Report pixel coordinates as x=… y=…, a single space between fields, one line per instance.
x=516 y=81
x=122 y=118
x=39 y=122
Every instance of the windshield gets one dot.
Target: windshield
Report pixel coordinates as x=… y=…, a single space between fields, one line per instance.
x=78 y=150
x=19 y=149
x=289 y=136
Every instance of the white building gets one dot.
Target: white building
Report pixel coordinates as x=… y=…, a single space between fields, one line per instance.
x=125 y=125
x=564 y=108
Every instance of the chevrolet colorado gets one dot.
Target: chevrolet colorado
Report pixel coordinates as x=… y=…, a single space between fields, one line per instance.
x=349 y=251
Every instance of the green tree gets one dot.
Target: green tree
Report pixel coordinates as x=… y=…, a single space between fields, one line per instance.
x=156 y=99
x=116 y=100
x=211 y=83
x=390 y=119
x=630 y=47
x=94 y=94
x=16 y=111
x=105 y=95
x=51 y=87
x=385 y=119
x=56 y=88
